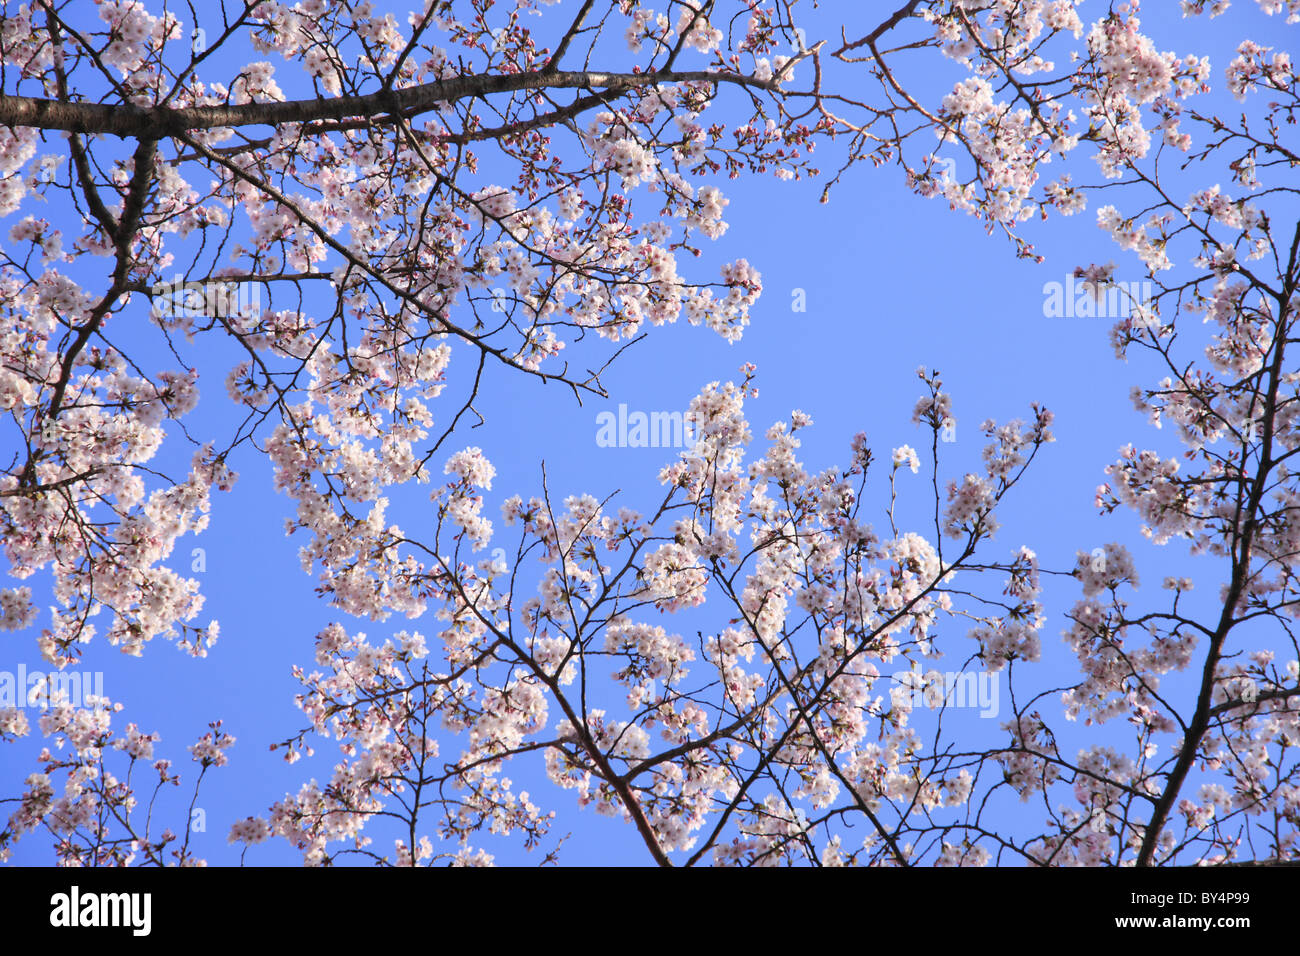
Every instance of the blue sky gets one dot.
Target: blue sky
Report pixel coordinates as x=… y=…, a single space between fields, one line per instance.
x=892 y=281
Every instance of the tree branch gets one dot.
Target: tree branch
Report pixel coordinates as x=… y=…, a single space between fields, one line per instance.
x=127 y=120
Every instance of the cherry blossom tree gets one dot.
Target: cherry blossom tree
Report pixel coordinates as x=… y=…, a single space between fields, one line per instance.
x=523 y=186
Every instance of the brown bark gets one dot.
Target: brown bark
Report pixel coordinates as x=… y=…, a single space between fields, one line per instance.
x=129 y=121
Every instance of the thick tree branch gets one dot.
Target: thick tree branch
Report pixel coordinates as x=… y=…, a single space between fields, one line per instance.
x=128 y=121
